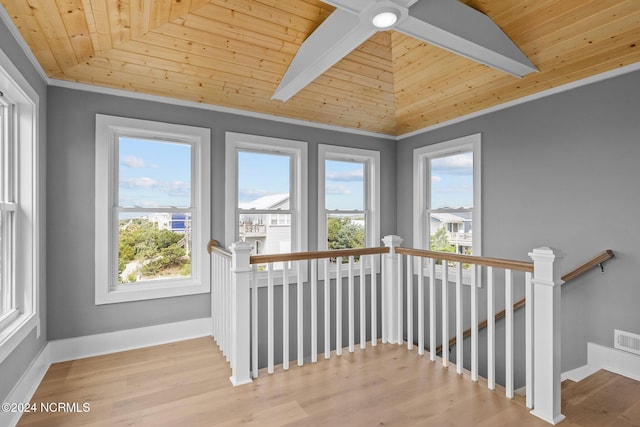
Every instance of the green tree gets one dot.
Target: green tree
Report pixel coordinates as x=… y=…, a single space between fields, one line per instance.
x=440 y=241
x=342 y=233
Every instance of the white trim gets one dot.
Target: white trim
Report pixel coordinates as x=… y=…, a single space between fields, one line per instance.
x=27 y=268
x=371 y=160
x=128 y=339
x=421 y=195
x=108 y=128
x=26 y=387
x=611 y=359
x=299 y=182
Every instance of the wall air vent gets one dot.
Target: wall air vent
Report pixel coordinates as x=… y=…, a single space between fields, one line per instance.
x=626 y=341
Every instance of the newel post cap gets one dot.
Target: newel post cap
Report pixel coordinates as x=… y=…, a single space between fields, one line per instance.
x=546 y=264
x=392 y=241
x=241 y=253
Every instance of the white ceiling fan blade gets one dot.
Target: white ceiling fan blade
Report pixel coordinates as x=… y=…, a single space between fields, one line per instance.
x=336 y=37
x=461 y=29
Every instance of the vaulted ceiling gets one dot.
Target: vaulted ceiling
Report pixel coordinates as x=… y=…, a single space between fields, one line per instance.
x=233 y=53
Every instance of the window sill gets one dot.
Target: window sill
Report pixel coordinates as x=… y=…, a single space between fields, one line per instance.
x=142 y=292
x=14 y=334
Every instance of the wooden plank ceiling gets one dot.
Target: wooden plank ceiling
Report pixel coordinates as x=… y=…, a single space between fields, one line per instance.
x=232 y=53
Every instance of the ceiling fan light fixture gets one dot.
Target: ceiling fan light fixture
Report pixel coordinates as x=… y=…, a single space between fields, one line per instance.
x=385 y=19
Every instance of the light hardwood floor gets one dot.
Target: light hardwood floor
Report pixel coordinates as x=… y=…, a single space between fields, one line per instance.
x=186 y=384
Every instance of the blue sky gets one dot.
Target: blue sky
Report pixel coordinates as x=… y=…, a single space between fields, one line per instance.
x=344 y=186
x=452 y=181
x=154 y=174
x=261 y=174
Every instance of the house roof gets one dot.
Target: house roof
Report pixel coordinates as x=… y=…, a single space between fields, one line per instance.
x=271 y=201
x=451 y=217
x=232 y=54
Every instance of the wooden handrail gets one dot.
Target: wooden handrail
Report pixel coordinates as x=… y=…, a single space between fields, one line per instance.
x=507 y=264
x=593 y=262
x=214 y=246
x=300 y=256
x=597 y=260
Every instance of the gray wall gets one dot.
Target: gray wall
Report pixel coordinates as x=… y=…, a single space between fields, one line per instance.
x=561 y=171
x=13 y=367
x=70 y=180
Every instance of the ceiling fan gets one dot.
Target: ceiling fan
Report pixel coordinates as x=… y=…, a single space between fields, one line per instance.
x=448 y=24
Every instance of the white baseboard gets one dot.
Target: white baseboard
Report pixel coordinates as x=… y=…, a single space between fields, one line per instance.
x=610 y=359
x=129 y=339
x=26 y=386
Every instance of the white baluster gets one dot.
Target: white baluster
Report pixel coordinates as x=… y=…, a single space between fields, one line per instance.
x=339 y=306
x=445 y=313
x=285 y=315
x=363 y=300
x=300 y=314
x=270 y=316
x=254 y=322
x=409 y=302
x=528 y=338
x=314 y=310
x=491 y=334
x=374 y=301
x=400 y=300
x=351 y=307
x=327 y=310
x=474 y=323
x=459 y=320
x=432 y=309
x=420 y=307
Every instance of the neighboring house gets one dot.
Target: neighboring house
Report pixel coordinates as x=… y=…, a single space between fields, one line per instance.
x=176 y=222
x=267 y=233
x=458 y=227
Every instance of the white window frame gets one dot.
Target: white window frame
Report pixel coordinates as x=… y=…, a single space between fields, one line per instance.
x=422 y=188
x=108 y=130
x=371 y=160
x=23 y=264
x=298 y=200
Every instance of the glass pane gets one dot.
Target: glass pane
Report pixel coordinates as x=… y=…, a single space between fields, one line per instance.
x=345 y=231
x=267 y=234
x=154 y=246
x=344 y=185
x=154 y=173
x=451 y=232
x=263 y=180
x=452 y=181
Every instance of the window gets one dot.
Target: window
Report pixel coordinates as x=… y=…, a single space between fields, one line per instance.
x=447 y=196
x=266 y=198
x=19 y=217
x=152 y=209
x=348 y=197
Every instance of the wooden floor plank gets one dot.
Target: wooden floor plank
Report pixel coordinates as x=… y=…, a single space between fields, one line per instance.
x=187 y=384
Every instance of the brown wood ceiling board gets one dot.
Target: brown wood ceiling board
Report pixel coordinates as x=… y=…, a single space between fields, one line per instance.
x=233 y=53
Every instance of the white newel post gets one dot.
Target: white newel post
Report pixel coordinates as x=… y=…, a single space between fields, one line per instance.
x=390 y=292
x=240 y=314
x=546 y=335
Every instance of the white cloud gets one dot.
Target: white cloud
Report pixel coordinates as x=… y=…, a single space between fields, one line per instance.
x=346 y=176
x=436 y=178
x=461 y=164
x=136 y=162
x=338 y=190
